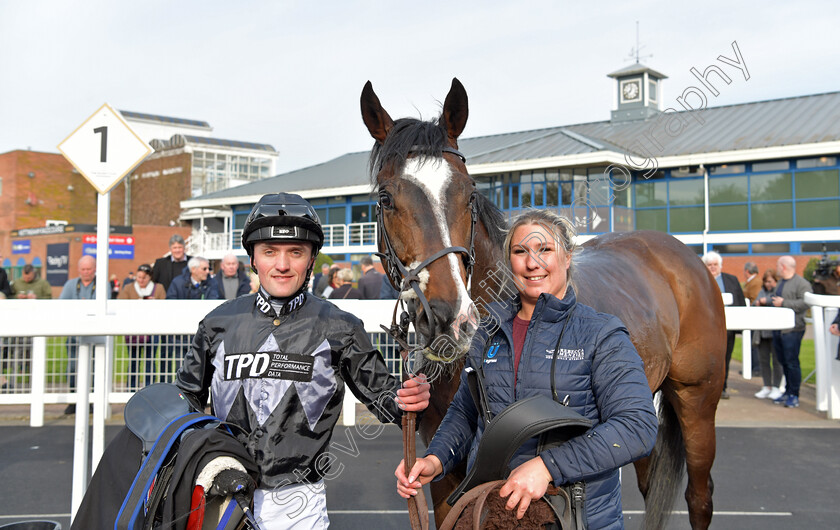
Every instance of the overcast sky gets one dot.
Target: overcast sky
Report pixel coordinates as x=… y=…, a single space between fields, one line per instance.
x=290 y=73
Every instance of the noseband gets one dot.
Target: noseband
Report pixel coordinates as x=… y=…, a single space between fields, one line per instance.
x=403 y=277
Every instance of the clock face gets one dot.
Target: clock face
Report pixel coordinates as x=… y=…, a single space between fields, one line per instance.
x=630 y=90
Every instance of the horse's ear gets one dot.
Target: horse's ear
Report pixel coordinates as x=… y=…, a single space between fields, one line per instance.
x=377 y=121
x=455 y=110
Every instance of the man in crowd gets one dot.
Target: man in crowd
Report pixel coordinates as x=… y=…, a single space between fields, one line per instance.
x=164 y=271
x=170 y=267
x=277 y=363
x=727 y=283
x=790 y=293
x=317 y=286
x=5 y=286
x=231 y=281
x=370 y=284
x=29 y=285
x=81 y=288
x=193 y=283
x=752 y=285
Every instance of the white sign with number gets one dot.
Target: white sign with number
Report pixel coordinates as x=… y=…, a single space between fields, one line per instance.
x=104 y=149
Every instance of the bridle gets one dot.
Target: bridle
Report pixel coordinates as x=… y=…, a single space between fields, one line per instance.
x=404 y=278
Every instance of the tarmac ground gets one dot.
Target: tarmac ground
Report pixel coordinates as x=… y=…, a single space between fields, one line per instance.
x=775 y=468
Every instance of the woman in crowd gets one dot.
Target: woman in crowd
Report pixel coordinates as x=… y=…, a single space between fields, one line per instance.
x=544 y=342
x=140 y=346
x=771 y=373
x=343 y=282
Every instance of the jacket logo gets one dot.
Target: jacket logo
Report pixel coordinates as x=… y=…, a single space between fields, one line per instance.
x=271 y=365
x=564 y=354
x=494 y=349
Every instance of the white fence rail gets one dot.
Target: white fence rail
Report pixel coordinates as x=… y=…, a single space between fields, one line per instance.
x=823 y=311
x=40 y=319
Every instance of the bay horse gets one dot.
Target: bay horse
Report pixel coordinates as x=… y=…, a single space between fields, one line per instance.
x=441 y=242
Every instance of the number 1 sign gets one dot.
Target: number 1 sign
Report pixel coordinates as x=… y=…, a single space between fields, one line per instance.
x=104 y=149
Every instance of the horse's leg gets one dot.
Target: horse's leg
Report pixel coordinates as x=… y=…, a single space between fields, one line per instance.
x=642 y=467
x=695 y=406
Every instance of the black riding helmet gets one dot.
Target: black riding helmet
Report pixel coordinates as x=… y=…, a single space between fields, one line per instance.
x=282 y=217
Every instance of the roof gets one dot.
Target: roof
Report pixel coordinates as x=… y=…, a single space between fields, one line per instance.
x=637 y=68
x=167 y=120
x=783 y=122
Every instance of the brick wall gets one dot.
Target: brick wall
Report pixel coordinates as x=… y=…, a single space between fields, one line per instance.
x=158 y=186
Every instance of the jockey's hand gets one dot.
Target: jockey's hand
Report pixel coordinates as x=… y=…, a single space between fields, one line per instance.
x=424 y=470
x=414 y=394
x=525 y=483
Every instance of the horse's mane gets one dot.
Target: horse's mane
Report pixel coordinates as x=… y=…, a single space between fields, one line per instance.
x=493 y=220
x=408 y=135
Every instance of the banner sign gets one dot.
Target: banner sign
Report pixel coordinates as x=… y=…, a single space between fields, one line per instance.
x=114 y=251
x=23 y=246
x=58 y=259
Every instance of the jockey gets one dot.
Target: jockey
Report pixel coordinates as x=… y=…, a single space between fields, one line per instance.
x=276 y=363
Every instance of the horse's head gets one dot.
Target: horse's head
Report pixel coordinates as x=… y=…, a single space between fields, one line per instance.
x=426 y=214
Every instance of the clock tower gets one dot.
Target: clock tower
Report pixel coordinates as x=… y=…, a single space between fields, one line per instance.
x=638 y=92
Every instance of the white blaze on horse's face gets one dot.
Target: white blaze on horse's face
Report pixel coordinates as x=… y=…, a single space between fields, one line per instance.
x=433 y=177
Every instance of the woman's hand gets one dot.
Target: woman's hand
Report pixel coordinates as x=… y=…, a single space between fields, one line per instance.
x=414 y=394
x=424 y=470
x=525 y=483
x=834 y=329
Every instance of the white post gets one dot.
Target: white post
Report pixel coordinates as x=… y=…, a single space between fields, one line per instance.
x=746 y=353
x=100 y=396
x=39 y=381
x=80 y=442
x=820 y=356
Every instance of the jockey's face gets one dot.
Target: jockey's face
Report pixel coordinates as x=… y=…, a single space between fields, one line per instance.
x=282 y=267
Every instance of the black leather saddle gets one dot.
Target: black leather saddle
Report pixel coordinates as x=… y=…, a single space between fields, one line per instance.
x=540 y=416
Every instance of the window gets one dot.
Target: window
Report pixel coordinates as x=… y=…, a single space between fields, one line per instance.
x=776 y=165
x=771 y=248
x=822 y=161
x=727 y=189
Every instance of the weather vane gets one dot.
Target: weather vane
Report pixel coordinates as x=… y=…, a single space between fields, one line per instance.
x=634 y=52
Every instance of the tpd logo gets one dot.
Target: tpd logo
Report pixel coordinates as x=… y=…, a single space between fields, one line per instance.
x=273 y=365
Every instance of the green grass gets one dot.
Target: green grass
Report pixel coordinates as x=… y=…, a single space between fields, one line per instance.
x=806 y=356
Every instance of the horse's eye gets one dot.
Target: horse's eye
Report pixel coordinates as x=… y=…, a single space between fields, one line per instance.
x=385 y=200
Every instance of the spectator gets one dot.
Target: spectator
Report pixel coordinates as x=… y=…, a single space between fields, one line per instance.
x=192 y=284
x=386 y=290
x=139 y=346
x=771 y=373
x=330 y=281
x=255 y=282
x=130 y=278
x=29 y=285
x=170 y=267
x=164 y=271
x=81 y=288
x=344 y=286
x=5 y=286
x=317 y=286
x=790 y=293
x=727 y=283
x=752 y=285
x=370 y=284
x=115 y=286
x=231 y=281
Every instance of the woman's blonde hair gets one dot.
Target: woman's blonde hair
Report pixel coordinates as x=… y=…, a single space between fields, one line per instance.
x=562 y=228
